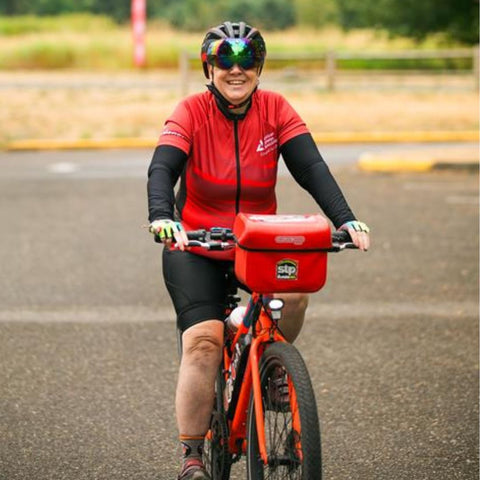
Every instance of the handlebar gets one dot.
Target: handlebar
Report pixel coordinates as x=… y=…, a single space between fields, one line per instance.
x=341 y=240
x=219 y=238
x=214 y=239
x=215 y=233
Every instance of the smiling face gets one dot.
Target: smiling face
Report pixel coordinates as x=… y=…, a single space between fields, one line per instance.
x=235 y=84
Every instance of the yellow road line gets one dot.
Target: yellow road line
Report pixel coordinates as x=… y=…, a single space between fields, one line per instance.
x=393 y=137
x=319 y=137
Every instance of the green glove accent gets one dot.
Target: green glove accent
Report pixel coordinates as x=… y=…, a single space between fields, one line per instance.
x=165 y=229
x=355 y=225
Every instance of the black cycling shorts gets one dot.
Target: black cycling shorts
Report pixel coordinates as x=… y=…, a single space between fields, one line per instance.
x=198 y=286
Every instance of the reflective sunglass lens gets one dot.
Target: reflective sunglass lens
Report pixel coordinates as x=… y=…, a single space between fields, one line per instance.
x=226 y=63
x=226 y=53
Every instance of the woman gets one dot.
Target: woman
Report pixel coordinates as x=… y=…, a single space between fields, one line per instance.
x=225 y=144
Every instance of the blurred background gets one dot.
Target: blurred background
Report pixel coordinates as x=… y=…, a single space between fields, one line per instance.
x=82 y=69
x=87 y=339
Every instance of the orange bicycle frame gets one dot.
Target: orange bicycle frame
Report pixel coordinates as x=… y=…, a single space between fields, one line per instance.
x=265 y=332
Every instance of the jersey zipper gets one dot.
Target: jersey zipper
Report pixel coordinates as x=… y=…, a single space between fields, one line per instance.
x=237 y=161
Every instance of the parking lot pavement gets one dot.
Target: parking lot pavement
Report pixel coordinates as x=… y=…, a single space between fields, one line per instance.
x=88 y=356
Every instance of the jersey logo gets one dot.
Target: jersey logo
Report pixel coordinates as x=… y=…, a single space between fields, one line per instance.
x=267 y=144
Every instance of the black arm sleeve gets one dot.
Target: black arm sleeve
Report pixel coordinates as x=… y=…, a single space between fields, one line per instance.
x=166 y=166
x=308 y=168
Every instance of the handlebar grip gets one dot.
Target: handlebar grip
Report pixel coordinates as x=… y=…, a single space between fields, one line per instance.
x=197 y=234
x=341 y=236
x=220 y=233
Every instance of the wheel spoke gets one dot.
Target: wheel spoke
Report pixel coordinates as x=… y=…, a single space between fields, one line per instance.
x=289 y=402
x=282 y=459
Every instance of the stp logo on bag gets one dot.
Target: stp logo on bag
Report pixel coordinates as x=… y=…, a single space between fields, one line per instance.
x=287 y=270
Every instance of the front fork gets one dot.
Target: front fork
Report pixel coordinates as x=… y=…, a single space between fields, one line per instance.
x=267 y=334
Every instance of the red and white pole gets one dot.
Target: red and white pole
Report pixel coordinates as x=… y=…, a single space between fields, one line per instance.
x=139 y=26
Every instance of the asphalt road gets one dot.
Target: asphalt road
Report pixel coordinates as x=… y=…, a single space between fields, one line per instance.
x=87 y=338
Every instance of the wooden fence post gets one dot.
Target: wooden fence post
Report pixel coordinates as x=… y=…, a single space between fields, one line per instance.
x=330 y=65
x=475 y=53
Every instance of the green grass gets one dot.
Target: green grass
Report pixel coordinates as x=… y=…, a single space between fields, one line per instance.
x=79 y=22
x=90 y=42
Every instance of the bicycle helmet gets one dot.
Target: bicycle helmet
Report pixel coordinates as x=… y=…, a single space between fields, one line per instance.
x=233 y=30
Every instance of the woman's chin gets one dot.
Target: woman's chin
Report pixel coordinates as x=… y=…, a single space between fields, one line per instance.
x=236 y=99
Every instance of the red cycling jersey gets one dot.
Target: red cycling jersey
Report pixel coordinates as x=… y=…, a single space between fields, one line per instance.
x=232 y=163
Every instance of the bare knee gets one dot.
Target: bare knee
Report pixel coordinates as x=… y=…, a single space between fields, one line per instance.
x=202 y=348
x=295 y=304
x=293 y=314
x=203 y=345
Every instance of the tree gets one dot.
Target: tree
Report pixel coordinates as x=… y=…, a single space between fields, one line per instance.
x=197 y=15
x=276 y=14
x=413 y=18
x=316 y=13
x=194 y=15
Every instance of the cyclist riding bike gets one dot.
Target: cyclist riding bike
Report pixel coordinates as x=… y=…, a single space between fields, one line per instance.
x=224 y=144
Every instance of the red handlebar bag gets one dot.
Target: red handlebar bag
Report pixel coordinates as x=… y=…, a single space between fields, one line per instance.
x=282 y=253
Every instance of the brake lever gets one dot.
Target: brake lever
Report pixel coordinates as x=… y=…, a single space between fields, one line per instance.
x=338 y=247
x=208 y=245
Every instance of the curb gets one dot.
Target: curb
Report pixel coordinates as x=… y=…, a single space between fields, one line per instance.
x=52 y=144
x=466 y=158
x=320 y=138
x=397 y=137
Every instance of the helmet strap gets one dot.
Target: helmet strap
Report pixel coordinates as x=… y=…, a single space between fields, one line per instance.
x=225 y=106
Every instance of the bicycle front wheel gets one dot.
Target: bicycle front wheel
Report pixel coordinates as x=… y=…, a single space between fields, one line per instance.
x=292 y=431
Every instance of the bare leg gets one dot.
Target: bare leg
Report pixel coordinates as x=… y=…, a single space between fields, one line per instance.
x=293 y=314
x=202 y=349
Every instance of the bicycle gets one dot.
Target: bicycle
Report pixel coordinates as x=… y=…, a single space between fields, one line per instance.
x=264 y=407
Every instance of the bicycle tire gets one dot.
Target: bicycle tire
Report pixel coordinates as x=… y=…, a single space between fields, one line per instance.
x=291 y=454
x=216 y=456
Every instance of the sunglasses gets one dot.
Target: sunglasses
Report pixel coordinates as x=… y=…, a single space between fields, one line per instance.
x=226 y=53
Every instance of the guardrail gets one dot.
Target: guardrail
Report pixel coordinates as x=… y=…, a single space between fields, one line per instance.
x=331 y=58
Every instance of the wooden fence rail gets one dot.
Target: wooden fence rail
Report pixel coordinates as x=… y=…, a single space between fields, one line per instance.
x=331 y=58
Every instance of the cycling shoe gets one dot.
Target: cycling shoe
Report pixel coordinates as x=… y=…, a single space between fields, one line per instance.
x=194 y=470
